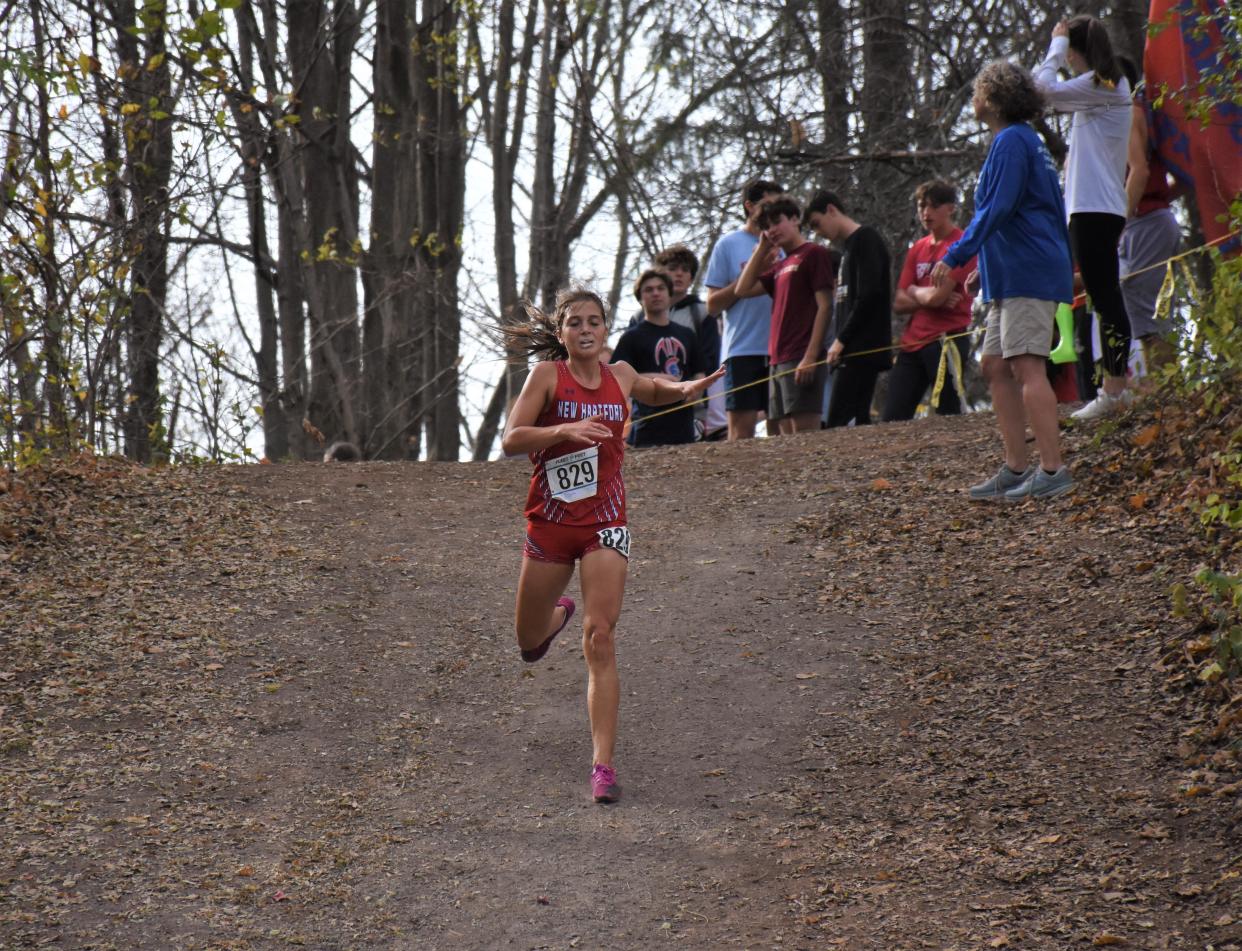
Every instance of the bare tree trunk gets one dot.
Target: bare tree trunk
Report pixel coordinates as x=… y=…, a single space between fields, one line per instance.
x=25 y=375
x=886 y=100
x=320 y=48
x=281 y=165
x=547 y=266
x=443 y=166
x=253 y=146
x=148 y=158
x=832 y=64
x=103 y=381
x=59 y=433
x=619 y=262
x=392 y=374
x=543 y=276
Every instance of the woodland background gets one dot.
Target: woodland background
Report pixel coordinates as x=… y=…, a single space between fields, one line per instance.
x=308 y=217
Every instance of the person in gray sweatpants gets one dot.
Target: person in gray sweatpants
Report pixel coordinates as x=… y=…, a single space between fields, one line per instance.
x=1152 y=234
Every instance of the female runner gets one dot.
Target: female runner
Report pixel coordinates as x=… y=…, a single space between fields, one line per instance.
x=569 y=418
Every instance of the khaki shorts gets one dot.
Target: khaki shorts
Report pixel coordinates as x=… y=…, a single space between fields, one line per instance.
x=1019 y=326
x=787 y=398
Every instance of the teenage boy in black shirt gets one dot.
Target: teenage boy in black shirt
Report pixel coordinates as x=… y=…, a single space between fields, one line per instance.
x=864 y=317
x=659 y=348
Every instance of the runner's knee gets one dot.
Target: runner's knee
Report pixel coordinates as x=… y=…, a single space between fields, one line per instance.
x=598 y=637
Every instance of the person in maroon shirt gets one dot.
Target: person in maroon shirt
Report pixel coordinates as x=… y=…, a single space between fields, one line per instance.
x=801 y=286
x=1152 y=234
x=933 y=309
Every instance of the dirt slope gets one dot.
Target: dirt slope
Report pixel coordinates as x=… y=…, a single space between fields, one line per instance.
x=858 y=711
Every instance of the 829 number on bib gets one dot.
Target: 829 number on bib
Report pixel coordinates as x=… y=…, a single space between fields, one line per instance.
x=574 y=476
x=618 y=539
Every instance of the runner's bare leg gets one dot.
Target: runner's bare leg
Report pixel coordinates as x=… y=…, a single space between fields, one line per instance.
x=537 y=615
x=603 y=587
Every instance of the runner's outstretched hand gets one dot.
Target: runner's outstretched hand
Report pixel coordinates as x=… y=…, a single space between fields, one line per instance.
x=695 y=387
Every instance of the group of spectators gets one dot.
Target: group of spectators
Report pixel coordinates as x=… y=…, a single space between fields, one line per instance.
x=782 y=311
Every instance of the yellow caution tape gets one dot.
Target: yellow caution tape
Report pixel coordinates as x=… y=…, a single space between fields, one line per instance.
x=945 y=338
x=1164 y=298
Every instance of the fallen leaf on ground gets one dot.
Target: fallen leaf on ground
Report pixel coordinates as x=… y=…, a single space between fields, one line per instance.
x=1105 y=938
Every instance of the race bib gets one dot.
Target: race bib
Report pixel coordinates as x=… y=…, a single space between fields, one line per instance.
x=575 y=476
x=618 y=539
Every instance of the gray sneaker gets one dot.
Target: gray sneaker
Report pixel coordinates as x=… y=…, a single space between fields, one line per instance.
x=1042 y=486
x=1004 y=480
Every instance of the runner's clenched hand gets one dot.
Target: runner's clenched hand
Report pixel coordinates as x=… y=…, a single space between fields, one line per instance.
x=587 y=431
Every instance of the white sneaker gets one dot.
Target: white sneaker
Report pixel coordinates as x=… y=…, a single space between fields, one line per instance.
x=1104 y=405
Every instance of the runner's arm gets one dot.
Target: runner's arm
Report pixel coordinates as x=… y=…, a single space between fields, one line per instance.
x=659 y=392
x=522 y=435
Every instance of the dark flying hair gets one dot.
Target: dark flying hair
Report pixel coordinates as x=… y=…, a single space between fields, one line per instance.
x=538 y=334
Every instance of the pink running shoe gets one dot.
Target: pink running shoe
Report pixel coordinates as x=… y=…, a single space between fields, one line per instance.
x=604 y=783
x=535 y=653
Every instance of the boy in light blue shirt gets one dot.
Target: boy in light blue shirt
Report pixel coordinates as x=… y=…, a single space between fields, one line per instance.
x=746 y=321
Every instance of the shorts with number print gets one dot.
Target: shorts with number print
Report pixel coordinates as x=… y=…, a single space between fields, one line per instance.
x=565 y=544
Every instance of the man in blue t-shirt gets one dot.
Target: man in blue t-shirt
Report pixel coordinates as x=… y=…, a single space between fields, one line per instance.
x=746 y=321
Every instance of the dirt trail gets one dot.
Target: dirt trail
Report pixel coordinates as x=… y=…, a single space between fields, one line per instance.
x=856 y=713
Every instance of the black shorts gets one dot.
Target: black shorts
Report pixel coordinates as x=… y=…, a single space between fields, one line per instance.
x=739 y=371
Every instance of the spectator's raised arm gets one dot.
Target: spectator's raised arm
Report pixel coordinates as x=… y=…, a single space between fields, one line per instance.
x=748 y=283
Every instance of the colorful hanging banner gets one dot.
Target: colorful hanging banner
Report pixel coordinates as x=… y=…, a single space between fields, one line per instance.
x=1192 y=67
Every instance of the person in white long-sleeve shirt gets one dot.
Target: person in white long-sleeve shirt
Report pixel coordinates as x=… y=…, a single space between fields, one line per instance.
x=1095 y=194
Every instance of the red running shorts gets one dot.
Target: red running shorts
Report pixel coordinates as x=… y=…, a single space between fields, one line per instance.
x=565 y=544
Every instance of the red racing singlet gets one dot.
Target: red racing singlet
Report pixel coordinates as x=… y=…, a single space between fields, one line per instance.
x=574 y=484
